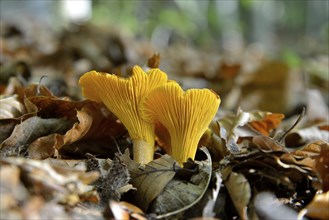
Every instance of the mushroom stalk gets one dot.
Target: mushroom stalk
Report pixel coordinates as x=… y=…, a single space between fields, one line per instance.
x=143 y=151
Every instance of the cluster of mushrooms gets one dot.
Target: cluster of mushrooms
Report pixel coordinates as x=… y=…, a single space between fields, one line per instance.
x=152 y=107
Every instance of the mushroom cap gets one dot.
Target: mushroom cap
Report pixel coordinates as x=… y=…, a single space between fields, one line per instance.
x=185 y=115
x=122 y=96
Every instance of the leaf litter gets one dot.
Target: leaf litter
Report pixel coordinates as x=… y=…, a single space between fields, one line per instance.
x=62 y=157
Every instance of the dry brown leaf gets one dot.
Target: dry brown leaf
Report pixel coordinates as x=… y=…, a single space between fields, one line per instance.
x=268 y=123
x=267 y=144
x=33 y=91
x=68 y=186
x=322 y=165
x=29 y=130
x=239 y=190
x=228 y=70
x=154 y=61
x=11 y=107
x=228 y=126
x=114 y=181
x=305 y=136
x=142 y=178
x=126 y=211
x=96 y=126
x=53 y=107
x=7 y=126
x=181 y=195
x=12 y=190
x=273 y=87
x=318 y=208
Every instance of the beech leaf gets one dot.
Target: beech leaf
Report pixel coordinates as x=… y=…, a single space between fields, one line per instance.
x=239 y=190
x=143 y=178
x=180 y=195
x=29 y=130
x=11 y=107
x=228 y=126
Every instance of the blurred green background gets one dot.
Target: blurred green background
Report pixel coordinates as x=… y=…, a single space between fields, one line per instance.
x=277 y=25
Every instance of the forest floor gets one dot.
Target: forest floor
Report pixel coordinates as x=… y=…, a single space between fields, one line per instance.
x=265 y=154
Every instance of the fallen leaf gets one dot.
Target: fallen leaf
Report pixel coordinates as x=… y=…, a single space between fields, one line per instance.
x=228 y=70
x=29 y=130
x=154 y=61
x=142 y=178
x=305 y=136
x=239 y=190
x=322 y=165
x=267 y=144
x=12 y=190
x=11 y=107
x=267 y=123
x=68 y=186
x=318 y=208
x=7 y=126
x=227 y=129
x=33 y=91
x=126 y=211
x=95 y=132
x=111 y=184
x=53 y=107
x=179 y=196
x=273 y=87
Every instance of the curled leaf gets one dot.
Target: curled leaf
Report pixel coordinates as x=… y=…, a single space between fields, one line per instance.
x=11 y=107
x=239 y=190
x=267 y=123
x=178 y=196
x=142 y=178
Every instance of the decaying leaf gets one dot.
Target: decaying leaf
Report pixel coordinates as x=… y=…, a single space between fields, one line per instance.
x=125 y=210
x=64 y=184
x=267 y=122
x=29 y=130
x=114 y=181
x=12 y=190
x=267 y=144
x=318 y=208
x=305 y=136
x=304 y=157
x=10 y=107
x=178 y=195
x=232 y=127
x=322 y=165
x=227 y=129
x=162 y=170
x=239 y=190
x=31 y=185
x=7 y=126
x=270 y=88
x=154 y=61
x=93 y=133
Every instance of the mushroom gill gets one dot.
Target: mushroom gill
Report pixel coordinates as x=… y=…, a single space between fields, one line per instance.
x=185 y=115
x=122 y=96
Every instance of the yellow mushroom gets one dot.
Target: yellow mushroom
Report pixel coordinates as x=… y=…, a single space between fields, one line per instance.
x=122 y=96
x=185 y=115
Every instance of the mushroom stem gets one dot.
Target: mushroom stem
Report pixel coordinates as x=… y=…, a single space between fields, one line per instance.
x=143 y=151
